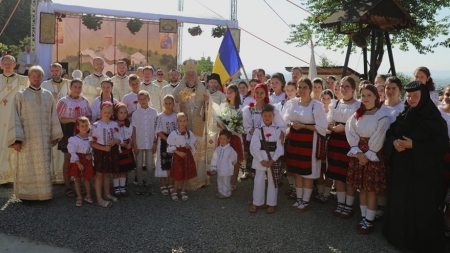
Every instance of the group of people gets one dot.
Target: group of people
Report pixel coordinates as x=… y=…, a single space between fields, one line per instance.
x=317 y=132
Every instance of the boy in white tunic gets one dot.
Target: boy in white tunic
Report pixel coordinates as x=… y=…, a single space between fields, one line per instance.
x=223 y=161
x=266 y=141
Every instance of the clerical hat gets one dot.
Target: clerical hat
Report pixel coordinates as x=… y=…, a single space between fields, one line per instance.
x=190 y=65
x=214 y=76
x=413 y=86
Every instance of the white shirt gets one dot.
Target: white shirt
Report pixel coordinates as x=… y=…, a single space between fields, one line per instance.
x=313 y=114
x=223 y=160
x=274 y=99
x=393 y=111
x=248 y=100
x=252 y=119
x=342 y=112
x=373 y=127
x=131 y=101
x=446 y=117
x=155 y=95
x=261 y=155
x=144 y=121
x=103 y=132
x=166 y=123
x=78 y=145
x=28 y=59
x=175 y=140
x=95 y=107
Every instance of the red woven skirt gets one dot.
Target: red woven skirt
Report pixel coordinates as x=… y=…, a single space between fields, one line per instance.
x=126 y=160
x=107 y=162
x=74 y=171
x=236 y=144
x=370 y=177
x=183 y=168
x=298 y=152
x=338 y=160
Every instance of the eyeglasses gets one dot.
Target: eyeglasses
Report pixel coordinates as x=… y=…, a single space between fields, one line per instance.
x=160 y=74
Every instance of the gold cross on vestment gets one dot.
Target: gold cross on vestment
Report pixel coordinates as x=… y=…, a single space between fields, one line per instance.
x=9 y=87
x=4 y=101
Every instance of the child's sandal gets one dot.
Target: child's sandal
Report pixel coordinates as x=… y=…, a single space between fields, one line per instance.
x=104 y=203
x=164 y=191
x=253 y=209
x=175 y=196
x=112 y=198
x=79 y=201
x=88 y=199
x=171 y=189
x=184 y=197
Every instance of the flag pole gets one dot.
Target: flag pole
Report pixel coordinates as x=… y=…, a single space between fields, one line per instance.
x=245 y=74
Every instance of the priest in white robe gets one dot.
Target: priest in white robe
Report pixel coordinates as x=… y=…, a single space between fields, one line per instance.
x=34 y=131
x=120 y=81
x=152 y=89
x=10 y=84
x=59 y=87
x=174 y=80
x=91 y=84
x=194 y=99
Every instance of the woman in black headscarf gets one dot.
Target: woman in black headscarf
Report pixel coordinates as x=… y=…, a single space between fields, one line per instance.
x=413 y=219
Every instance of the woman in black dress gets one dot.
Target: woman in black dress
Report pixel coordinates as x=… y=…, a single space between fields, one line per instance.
x=413 y=219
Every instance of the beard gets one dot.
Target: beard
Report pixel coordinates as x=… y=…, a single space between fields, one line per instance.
x=212 y=89
x=190 y=84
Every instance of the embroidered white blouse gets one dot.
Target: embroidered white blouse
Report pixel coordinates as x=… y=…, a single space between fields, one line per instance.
x=274 y=99
x=393 y=111
x=70 y=108
x=261 y=155
x=131 y=101
x=446 y=117
x=372 y=126
x=313 y=114
x=78 y=145
x=95 y=107
x=175 y=140
x=223 y=160
x=103 y=132
x=166 y=123
x=342 y=112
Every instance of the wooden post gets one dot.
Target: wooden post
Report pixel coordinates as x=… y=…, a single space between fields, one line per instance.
x=391 y=57
x=347 y=57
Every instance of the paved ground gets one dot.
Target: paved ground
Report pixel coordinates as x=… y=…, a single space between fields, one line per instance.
x=202 y=224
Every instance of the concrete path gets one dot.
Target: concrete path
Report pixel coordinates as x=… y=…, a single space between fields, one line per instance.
x=13 y=244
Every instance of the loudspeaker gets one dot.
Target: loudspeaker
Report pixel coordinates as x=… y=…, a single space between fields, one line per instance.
x=65 y=66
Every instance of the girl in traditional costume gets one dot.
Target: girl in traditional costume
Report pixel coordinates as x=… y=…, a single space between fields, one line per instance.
x=106 y=95
x=365 y=132
x=338 y=146
x=166 y=123
x=444 y=108
x=278 y=83
x=80 y=165
x=126 y=156
x=105 y=138
x=307 y=120
x=69 y=108
x=181 y=143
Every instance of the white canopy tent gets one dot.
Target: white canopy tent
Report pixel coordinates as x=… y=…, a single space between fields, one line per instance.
x=129 y=9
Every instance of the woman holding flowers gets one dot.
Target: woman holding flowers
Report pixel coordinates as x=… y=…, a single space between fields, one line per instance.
x=69 y=108
x=231 y=117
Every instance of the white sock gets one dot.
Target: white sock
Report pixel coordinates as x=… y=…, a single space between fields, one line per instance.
x=340 y=197
x=115 y=182
x=363 y=210
x=299 y=192
x=306 y=194
x=320 y=188
x=326 y=191
x=349 y=200
x=122 y=181
x=290 y=180
x=370 y=215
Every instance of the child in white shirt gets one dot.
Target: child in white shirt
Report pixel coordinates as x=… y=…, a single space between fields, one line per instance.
x=223 y=161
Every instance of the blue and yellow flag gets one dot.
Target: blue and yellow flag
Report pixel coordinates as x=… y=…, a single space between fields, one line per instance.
x=228 y=61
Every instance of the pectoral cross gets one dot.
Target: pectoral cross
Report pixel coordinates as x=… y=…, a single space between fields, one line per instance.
x=9 y=87
x=4 y=101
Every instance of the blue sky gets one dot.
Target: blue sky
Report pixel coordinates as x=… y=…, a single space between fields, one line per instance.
x=257 y=17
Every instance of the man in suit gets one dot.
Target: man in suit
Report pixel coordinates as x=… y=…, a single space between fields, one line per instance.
x=27 y=59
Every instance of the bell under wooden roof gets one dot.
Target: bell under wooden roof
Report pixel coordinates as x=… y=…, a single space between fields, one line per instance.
x=387 y=15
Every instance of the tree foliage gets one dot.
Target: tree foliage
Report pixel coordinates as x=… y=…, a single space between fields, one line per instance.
x=423 y=37
x=205 y=65
x=19 y=26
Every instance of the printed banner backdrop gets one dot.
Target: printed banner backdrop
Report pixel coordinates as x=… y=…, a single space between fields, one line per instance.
x=114 y=42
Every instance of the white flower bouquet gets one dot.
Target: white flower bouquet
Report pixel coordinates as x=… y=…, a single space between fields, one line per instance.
x=230 y=118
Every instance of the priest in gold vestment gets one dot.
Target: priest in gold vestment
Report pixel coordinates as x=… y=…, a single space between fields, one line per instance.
x=194 y=99
x=10 y=84
x=32 y=133
x=59 y=87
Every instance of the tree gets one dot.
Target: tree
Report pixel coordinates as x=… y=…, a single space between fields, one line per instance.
x=405 y=80
x=19 y=26
x=205 y=65
x=423 y=12
x=325 y=62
